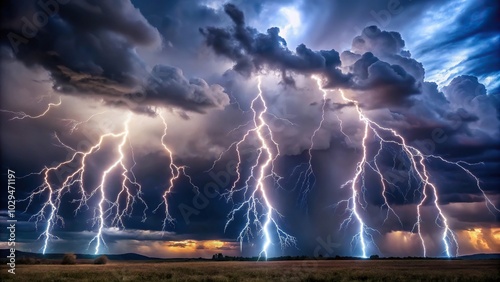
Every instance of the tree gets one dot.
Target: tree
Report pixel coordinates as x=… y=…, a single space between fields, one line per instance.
x=69 y=259
x=101 y=260
x=374 y=257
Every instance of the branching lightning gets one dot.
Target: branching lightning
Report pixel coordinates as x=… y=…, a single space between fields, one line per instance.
x=256 y=204
x=22 y=115
x=175 y=172
x=306 y=178
x=117 y=207
x=74 y=124
x=112 y=204
x=419 y=171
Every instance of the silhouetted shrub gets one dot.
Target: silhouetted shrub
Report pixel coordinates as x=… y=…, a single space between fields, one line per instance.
x=374 y=257
x=101 y=260
x=69 y=259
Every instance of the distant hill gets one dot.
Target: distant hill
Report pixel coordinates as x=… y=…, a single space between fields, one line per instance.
x=481 y=256
x=136 y=257
x=127 y=256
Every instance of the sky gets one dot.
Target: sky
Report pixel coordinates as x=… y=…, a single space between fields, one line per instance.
x=189 y=128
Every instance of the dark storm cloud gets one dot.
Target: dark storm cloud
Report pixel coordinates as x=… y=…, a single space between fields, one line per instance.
x=98 y=58
x=178 y=21
x=252 y=50
x=385 y=84
x=389 y=81
x=182 y=44
x=465 y=91
x=384 y=73
x=388 y=46
x=168 y=87
x=372 y=39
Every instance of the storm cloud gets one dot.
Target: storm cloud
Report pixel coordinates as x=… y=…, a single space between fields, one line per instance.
x=252 y=50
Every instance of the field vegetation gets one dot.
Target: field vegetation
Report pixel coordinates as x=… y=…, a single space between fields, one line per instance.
x=307 y=270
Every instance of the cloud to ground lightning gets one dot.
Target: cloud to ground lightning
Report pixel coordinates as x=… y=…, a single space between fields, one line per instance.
x=54 y=187
x=257 y=206
x=429 y=191
x=116 y=208
x=176 y=171
x=23 y=115
x=306 y=178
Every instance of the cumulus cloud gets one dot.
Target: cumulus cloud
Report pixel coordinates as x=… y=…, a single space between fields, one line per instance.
x=465 y=92
x=382 y=84
x=384 y=73
x=388 y=46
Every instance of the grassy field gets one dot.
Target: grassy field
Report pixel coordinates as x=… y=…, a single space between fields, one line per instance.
x=312 y=270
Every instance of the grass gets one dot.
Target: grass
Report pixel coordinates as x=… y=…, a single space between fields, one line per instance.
x=309 y=270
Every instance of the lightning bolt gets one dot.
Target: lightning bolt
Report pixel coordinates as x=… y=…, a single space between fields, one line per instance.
x=306 y=178
x=175 y=173
x=129 y=193
x=418 y=168
x=101 y=211
x=256 y=204
x=353 y=203
x=74 y=124
x=22 y=115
